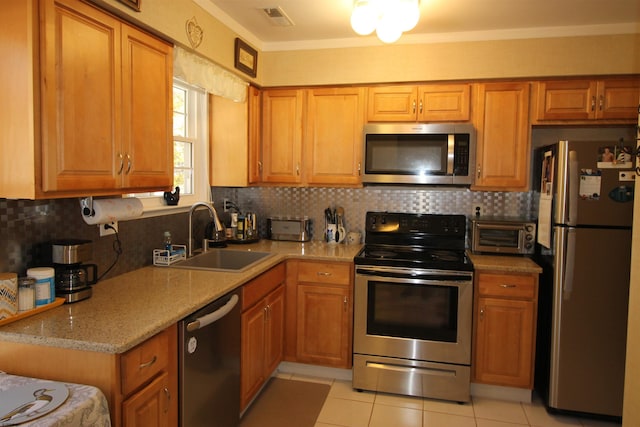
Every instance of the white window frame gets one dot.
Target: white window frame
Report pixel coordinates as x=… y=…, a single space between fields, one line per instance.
x=197 y=107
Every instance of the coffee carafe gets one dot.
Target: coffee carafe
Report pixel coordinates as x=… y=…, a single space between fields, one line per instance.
x=73 y=278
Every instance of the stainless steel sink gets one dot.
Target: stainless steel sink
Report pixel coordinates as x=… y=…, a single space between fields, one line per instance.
x=222 y=260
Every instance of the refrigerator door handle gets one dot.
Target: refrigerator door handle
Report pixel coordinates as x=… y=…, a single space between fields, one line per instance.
x=569 y=264
x=573 y=187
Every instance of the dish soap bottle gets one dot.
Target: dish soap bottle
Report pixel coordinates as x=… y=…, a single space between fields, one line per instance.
x=167 y=242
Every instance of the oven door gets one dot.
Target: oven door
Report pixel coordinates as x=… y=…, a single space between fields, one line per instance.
x=413 y=314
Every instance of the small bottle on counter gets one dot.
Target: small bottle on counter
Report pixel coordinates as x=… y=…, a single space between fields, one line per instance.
x=26 y=294
x=168 y=246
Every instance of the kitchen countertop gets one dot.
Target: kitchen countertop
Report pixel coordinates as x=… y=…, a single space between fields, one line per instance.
x=128 y=309
x=507 y=263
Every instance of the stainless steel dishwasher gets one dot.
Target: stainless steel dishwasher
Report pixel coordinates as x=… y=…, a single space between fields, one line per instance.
x=209 y=360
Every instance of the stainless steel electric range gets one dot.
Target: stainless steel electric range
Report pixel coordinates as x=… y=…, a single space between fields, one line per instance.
x=413 y=306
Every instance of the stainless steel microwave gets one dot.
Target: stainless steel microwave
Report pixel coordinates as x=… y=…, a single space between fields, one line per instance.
x=415 y=153
x=503 y=236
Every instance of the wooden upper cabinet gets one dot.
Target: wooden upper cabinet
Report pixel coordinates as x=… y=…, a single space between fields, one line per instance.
x=228 y=144
x=425 y=103
x=81 y=120
x=254 y=101
x=147 y=111
x=96 y=110
x=332 y=144
x=502 y=124
x=282 y=136
x=584 y=100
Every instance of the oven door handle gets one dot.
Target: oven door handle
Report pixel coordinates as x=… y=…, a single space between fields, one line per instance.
x=418 y=276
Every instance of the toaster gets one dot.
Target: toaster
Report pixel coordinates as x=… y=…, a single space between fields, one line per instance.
x=296 y=229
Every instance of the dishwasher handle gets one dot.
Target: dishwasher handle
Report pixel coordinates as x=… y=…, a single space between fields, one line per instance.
x=208 y=319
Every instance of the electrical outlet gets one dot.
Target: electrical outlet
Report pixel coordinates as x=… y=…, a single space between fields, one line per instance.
x=106 y=231
x=225 y=203
x=477 y=209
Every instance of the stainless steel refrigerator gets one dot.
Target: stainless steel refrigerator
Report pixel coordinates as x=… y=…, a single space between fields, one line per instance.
x=586 y=212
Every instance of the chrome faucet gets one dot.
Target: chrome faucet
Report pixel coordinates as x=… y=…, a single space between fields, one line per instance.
x=216 y=220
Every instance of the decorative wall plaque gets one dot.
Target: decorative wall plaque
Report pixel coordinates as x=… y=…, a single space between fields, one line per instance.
x=133 y=4
x=246 y=59
x=195 y=33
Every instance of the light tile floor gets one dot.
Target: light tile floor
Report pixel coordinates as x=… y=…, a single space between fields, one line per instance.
x=346 y=407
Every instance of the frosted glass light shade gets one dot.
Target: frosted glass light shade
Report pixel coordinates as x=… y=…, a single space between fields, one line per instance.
x=364 y=17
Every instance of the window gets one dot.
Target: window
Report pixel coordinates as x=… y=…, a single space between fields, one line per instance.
x=190 y=149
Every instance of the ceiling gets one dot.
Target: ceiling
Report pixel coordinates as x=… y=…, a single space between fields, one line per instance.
x=325 y=23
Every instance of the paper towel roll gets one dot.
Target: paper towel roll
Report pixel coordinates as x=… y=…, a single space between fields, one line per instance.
x=109 y=210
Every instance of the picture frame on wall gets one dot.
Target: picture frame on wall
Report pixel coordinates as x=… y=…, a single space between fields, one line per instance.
x=133 y=4
x=246 y=58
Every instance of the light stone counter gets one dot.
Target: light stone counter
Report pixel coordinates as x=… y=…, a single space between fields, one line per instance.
x=516 y=264
x=128 y=309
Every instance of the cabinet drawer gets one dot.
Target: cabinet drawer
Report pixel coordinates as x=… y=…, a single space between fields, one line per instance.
x=143 y=362
x=325 y=272
x=507 y=285
x=256 y=289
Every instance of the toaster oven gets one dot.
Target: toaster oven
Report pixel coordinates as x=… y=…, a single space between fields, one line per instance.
x=503 y=236
x=289 y=229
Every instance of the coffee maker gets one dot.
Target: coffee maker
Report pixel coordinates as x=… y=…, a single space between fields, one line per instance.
x=73 y=278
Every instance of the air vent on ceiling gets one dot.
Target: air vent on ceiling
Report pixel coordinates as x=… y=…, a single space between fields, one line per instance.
x=277 y=16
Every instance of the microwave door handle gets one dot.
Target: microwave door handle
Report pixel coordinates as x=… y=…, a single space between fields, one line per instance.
x=451 y=142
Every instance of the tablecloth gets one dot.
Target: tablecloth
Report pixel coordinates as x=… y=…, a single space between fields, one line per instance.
x=86 y=405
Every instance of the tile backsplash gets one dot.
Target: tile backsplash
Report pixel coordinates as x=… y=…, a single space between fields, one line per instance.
x=26 y=226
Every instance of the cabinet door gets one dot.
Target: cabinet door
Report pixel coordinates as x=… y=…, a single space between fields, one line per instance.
x=254 y=99
x=567 y=100
x=333 y=140
x=147 y=151
x=274 y=340
x=444 y=103
x=81 y=126
x=228 y=143
x=252 y=357
x=324 y=324
x=282 y=136
x=392 y=104
x=502 y=136
x=504 y=342
x=151 y=406
x=618 y=99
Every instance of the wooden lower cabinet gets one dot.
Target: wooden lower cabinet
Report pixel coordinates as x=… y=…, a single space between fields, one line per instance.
x=262 y=331
x=505 y=328
x=140 y=385
x=319 y=326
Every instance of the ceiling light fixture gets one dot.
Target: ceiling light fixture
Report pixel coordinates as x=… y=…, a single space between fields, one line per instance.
x=389 y=18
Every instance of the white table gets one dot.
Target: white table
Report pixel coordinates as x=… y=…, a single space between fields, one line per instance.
x=86 y=405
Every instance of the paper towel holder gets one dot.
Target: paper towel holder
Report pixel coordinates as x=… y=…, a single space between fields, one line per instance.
x=87 y=206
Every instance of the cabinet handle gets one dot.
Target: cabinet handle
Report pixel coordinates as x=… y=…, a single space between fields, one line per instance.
x=149 y=363
x=260 y=167
x=508 y=285
x=344 y=303
x=128 y=164
x=478 y=172
x=121 y=163
x=593 y=103
x=359 y=168
x=414 y=106
x=298 y=169
x=421 y=106
x=601 y=103
x=265 y=312
x=167 y=396
x=323 y=273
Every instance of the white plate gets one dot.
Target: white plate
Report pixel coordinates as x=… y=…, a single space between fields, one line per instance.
x=52 y=394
